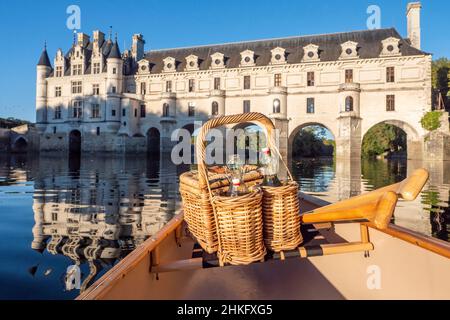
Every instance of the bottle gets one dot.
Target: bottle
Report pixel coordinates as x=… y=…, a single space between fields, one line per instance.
x=269 y=169
x=237 y=188
x=235 y=168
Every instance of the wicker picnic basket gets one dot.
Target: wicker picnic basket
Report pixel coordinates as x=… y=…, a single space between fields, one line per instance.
x=198 y=211
x=239 y=220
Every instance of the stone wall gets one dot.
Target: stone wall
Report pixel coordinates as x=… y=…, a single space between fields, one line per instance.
x=4 y=139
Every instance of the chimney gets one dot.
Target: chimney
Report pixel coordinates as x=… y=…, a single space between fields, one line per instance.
x=137 y=50
x=413 y=16
x=83 y=39
x=99 y=37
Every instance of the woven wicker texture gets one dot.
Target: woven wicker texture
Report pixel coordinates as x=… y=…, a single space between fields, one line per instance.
x=240 y=228
x=281 y=216
x=198 y=211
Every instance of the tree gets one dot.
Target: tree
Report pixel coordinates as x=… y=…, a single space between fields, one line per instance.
x=383 y=138
x=312 y=142
x=440 y=74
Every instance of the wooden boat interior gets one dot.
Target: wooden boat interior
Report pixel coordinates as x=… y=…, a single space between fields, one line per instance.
x=332 y=263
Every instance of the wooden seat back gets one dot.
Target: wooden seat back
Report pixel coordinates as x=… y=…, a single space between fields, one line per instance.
x=376 y=207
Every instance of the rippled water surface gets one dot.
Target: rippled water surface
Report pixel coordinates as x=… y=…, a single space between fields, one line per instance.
x=60 y=214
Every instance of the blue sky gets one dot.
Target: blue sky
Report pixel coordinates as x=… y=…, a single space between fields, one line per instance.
x=25 y=25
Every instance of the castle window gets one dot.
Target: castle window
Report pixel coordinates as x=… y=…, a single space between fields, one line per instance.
x=246 y=82
x=276 y=106
x=77 y=109
x=215 y=108
x=277 y=80
x=143 y=88
x=58 y=112
x=59 y=71
x=246 y=106
x=310 y=105
x=216 y=83
x=57 y=91
x=124 y=112
x=191 y=109
x=77 y=87
x=143 y=111
x=349 y=104
x=310 y=79
x=135 y=113
x=54 y=130
x=95 y=89
x=95 y=110
x=113 y=89
x=390 y=102
x=191 y=85
x=349 y=76
x=114 y=70
x=76 y=69
x=96 y=68
x=166 y=110
x=98 y=131
x=113 y=112
x=168 y=86
x=390 y=74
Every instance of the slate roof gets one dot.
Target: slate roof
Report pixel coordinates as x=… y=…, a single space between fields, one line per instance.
x=44 y=59
x=115 y=52
x=369 y=46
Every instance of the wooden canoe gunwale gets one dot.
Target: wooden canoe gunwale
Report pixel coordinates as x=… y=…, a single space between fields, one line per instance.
x=103 y=285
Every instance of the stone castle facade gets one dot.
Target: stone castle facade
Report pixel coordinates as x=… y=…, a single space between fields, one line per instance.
x=95 y=98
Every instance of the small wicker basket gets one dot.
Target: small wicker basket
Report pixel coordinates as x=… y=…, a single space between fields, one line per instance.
x=198 y=211
x=240 y=225
x=281 y=207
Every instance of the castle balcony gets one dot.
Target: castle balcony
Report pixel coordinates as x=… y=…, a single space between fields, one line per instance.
x=352 y=86
x=278 y=90
x=218 y=93
x=168 y=95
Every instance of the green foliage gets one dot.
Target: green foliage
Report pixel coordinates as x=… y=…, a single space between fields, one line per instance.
x=431 y=120
x=440 y=69
x=440 y=75
x=311 y=142
x=383 y=138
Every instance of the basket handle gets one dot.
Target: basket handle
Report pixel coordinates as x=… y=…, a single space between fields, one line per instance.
x=226 y=120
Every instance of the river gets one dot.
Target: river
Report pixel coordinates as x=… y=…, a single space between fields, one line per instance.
x=60 y=214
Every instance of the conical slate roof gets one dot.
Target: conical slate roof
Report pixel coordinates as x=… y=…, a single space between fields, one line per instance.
x=115 y=52
x=44 y=59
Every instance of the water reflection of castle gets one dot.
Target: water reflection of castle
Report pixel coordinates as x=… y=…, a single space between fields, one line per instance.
x=100 y=209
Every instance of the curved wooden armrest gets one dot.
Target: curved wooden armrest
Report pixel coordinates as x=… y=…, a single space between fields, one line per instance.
x=377 y=209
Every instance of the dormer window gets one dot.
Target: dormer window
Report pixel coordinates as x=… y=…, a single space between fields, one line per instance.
x=77 y=70
x=169 y=64
x=59 y=71
x=349 y=50
x=247 y=58
x=217 y=61
x=391 y=47
x=143 y=66
x=192 y=63
x=311 y=53
x=278 y=56
x=96 y=68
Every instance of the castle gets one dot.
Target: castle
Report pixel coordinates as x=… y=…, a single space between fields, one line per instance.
x=95 y=98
